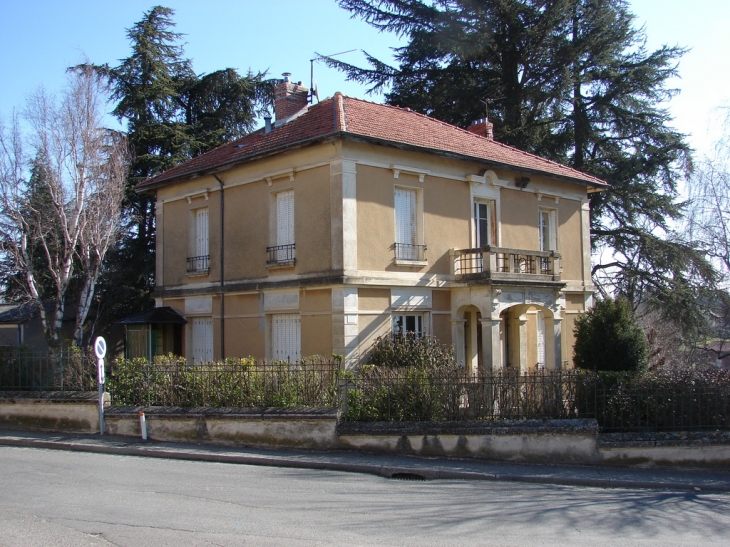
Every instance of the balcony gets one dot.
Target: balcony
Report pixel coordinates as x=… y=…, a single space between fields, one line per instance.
x=198 y=265
x=410 y=255
x=505 y=265
x=281 y=255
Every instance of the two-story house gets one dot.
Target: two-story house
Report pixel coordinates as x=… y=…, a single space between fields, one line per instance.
x=345 y=220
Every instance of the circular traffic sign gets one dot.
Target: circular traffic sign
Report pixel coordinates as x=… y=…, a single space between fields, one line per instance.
x=100 y=347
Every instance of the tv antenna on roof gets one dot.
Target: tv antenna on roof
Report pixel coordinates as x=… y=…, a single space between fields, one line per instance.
x=486 y=102
x=314 y=89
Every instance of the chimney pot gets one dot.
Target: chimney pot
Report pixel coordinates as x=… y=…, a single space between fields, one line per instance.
x=482 y=127
x=289 y=97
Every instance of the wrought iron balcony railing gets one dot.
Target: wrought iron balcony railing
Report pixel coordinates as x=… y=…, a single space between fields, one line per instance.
x=198 y=264
x=281 y=255
x=408 y=252
x=500 y=263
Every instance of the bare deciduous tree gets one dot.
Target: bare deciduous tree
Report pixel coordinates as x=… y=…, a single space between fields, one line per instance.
x=84 y=167
x=708 y=224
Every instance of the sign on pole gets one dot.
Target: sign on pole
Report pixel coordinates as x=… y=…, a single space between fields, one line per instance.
x=100 y=351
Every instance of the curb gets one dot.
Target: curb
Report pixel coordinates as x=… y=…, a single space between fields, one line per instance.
x=388 y=472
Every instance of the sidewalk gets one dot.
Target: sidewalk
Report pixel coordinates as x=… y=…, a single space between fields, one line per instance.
x=384 y=466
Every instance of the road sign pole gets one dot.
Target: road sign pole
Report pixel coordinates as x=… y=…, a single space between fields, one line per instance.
x=100 y=351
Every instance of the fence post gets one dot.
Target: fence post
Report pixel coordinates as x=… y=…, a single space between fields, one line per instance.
x=344 y=390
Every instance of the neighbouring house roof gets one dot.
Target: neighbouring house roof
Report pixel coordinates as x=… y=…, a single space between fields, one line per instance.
x=164 y=314
x=355 y=119
x=13 y=314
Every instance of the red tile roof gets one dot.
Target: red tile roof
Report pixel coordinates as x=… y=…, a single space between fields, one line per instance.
x=346 y=117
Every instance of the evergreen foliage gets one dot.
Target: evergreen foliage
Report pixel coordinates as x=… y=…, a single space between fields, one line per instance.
x=171 y=114
x=570 y=80
x=411 y=350
x=608 y=338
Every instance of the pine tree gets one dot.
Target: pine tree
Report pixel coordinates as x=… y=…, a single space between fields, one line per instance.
x=608 y=337
x=569 y=80
x=171 y=114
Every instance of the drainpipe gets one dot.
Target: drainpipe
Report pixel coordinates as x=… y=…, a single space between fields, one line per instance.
x=220 y=254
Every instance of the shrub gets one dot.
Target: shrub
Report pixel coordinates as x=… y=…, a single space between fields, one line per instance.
x=170 y=381
x=608 y=337
x=412 y=351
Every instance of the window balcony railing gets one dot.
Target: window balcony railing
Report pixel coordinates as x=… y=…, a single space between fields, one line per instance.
x=199 y=264
x=281 y=255
x=410 y=253
x=505 y=264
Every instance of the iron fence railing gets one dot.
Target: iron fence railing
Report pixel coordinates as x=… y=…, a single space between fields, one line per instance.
x=640 y=409
x=397 y=395
x=624 y=403
x=229 y=384
x=62 y=370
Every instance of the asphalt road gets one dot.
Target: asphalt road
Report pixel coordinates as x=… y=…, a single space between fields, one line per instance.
x=57 y=498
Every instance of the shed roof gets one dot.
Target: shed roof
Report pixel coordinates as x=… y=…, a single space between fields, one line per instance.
x=161 y=315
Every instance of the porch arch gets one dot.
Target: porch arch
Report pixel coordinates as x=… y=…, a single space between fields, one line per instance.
x=530 y=337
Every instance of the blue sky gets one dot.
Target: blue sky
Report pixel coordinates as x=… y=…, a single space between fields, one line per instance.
x=40 y=38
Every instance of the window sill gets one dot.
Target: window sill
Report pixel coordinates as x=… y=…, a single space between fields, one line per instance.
x=416 y=263
x=281 y=265
x=199 y=273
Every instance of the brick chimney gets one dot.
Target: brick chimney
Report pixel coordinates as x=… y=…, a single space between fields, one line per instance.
x=482 y=127
x=289 y=97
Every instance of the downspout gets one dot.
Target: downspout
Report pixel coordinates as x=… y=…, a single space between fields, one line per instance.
x=221 y=256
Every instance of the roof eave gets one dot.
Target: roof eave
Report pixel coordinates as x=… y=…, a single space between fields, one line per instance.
x=356 y=137
x=143 y=188
x=455 y=155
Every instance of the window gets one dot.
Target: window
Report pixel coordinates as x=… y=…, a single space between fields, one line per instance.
x=484 y=223
x=406 y=226
x=408 y=323
x=202 y=340
x=198 y=260
x=548 y=239
x=286 y=342
x=282 y=252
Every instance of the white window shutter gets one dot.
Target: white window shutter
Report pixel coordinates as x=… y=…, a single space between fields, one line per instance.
x=201 y=232
x=405 y=223
x=285 y=218
x=202 y=340
x=286 y=340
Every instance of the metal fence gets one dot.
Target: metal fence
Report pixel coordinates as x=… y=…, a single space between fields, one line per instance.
x=234 y=383
x=395 y=395
x=662 y=409
x=63 y=370
x=383 y=394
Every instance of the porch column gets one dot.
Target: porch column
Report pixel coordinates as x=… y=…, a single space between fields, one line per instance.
x=457 y=335
x=558 y=342
x=491 y=345
x=523 y=342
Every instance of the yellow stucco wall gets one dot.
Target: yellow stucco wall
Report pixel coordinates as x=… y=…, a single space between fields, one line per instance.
x=444 y=223
x=519 y=212
x=569 y=239
x=373 y=299
x=316 y=335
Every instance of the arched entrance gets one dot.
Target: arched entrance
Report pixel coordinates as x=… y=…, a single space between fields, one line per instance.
x=529 y=338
